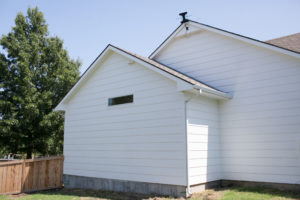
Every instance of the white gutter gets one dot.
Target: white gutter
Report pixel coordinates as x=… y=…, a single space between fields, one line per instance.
x=207 y=91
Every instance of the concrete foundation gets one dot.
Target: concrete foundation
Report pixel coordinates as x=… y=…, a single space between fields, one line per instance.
x=71 y=181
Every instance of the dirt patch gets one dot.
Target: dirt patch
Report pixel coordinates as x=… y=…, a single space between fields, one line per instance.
x=208 y=195
x=16 y=196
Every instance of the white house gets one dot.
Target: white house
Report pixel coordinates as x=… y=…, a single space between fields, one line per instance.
x=207 y=107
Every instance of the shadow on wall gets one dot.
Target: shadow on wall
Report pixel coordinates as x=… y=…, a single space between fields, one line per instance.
x=204 y=142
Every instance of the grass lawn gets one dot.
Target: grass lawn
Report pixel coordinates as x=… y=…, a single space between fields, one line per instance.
x=243 y=193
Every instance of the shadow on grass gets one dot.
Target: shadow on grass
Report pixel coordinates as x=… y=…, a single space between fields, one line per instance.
x=102 y=194
x=234 y=192
x=263 y=190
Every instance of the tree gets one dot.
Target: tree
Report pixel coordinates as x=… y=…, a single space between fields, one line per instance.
x=35 y=74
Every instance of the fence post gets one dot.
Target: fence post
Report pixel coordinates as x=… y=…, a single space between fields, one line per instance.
x=62 y=170
x=22 y=174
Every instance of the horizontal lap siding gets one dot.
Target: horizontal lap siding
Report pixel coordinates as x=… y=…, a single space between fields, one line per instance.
x=203 y=140
x=142 y=141
x=260 y=129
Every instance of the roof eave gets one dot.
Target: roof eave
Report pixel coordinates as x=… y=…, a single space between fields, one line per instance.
x=213 y=93
x=182 y=84
x=167 y=40
x=248 y=40
x=83 y=77
x=207 y=92
x=60 y=107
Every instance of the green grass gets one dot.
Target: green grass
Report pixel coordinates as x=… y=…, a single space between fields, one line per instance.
x=235 y=193
x=47 y=197
x=258 y=193
x=3 y=197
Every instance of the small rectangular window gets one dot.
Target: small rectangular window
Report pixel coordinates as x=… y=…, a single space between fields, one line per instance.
x=120 y=100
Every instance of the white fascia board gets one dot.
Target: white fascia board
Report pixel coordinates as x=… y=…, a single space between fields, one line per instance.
x=247 y=40
x=151 y=67
x=184 y=86
x=213 y=93
x=225 y=33
x=84 y=76
x=60 y=107
x=198 y=90
x=167 y=41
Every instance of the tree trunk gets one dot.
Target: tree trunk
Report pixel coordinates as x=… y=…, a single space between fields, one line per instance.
x=29 y=146
x=29 y=153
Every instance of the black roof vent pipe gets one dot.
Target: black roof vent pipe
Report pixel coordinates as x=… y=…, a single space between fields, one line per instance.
x=183 y=17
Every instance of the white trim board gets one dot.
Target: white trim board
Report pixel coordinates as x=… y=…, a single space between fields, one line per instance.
x=227 y=34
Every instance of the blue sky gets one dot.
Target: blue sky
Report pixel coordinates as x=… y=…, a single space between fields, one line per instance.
x=87 y=26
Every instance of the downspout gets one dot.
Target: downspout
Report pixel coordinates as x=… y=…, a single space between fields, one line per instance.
x=188 y=189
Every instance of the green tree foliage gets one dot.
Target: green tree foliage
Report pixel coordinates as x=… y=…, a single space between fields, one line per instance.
x=35 y=74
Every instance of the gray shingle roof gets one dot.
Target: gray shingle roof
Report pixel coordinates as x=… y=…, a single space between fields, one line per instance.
x=169 y=70
x=291 y=42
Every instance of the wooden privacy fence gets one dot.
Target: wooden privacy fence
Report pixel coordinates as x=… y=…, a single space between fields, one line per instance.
x=31 y=175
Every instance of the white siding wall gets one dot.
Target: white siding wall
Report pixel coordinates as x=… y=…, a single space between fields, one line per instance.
x=142 y=141
x=204 y=140
x=260 y=126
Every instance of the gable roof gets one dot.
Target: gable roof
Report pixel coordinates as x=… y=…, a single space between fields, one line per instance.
x=169 y=70
x=225 y=33
x=291 y=42
x=150 y=64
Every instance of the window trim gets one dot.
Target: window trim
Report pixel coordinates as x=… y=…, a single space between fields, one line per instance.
x=111 y=103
